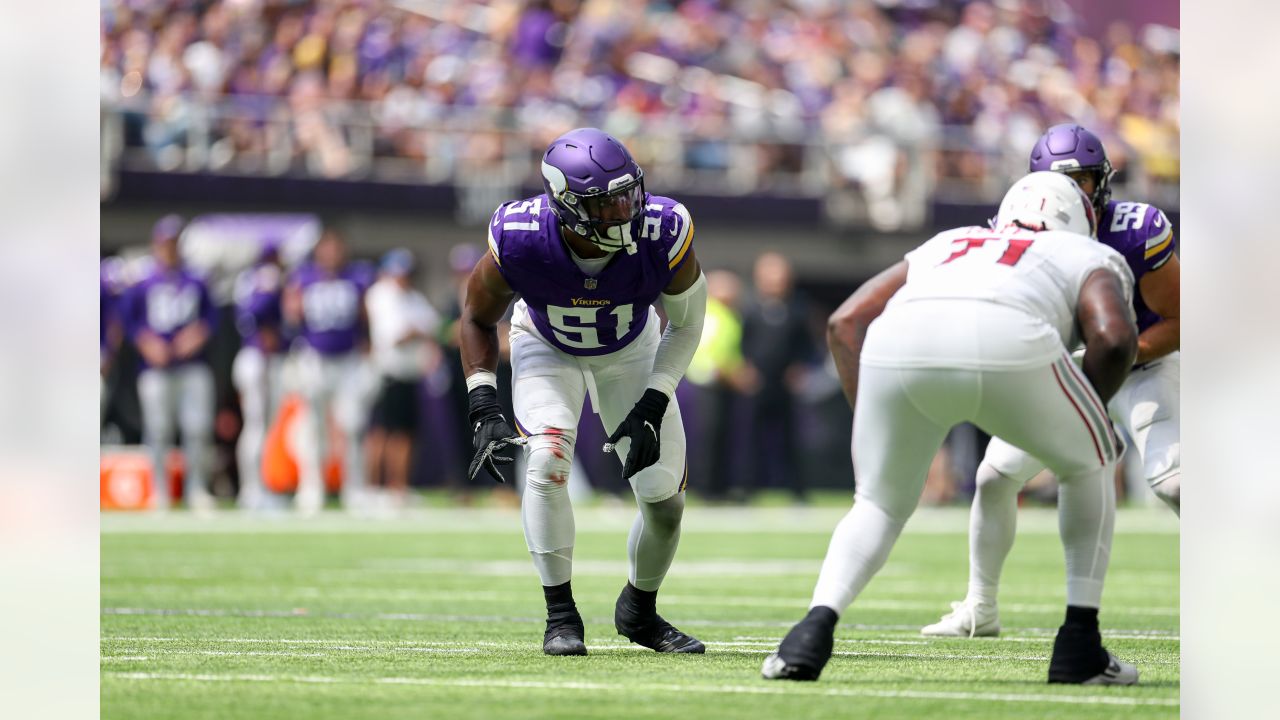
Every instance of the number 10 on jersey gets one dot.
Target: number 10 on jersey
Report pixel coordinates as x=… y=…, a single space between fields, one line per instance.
x=578 y=327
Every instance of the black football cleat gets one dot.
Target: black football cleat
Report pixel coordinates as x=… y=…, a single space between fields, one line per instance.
x=1080 y=659
x=565 y=633
x=805 y=650
x=646 y=627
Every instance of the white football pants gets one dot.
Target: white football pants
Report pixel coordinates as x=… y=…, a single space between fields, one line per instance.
x=901 y=417
x=257 y=377
x=548 y=389
x=1146 y=408
x=186 y=393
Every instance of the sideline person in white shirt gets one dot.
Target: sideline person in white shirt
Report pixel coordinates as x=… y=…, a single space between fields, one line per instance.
x=402 y=332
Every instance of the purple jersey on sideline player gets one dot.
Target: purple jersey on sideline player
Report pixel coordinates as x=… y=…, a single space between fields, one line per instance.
x=575 y=312
x=165 y=302
x=330 y=307
x=257 y=294
x=1143 y=235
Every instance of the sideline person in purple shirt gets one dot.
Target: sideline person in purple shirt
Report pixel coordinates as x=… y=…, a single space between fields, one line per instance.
x=169 y=317
x=324 y=302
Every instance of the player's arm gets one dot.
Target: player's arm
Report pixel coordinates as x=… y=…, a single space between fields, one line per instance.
x=847 y=327
x=488 y=296
x=153 y=348
x=291 y=304
x=684 y=300
x=191 y=339
x=1161 y=290
x=1110 y=337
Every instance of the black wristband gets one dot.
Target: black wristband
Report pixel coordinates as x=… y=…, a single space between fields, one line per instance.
x=653 y=404
x=482 y=402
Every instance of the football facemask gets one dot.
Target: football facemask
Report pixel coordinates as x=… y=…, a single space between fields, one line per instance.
x=607 y=216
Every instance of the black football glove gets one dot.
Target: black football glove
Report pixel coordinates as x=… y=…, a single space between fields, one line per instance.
x=491 y=433
x=644 y=426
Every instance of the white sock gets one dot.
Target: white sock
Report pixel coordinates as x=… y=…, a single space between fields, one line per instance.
x=1086 y=520
x=859 y=546
x=651 y=546
x=993 y=521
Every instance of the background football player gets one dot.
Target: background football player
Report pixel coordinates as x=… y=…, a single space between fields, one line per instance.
x=1146 y=407
x=977 y=330
x=170 y=318
x=324 y=299
x=588 y=259
x=256 y=370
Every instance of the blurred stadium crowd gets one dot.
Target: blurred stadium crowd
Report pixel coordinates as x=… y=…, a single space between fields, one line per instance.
x=762 y=404
x=876 y=105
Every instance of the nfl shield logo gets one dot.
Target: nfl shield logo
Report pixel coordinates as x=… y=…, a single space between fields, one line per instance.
x=589 y=283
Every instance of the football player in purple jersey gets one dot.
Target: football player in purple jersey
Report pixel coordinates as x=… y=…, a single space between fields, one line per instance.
x=1146 y=407
x=324 y=301
x=169 y=317
x=588 y=259
x=256 y=370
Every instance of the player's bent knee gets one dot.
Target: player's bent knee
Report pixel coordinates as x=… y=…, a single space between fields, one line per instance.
x=549 y=462
x=666 y=512
x=989 y=479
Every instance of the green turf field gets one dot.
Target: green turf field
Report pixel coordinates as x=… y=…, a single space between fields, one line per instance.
x=439 y=615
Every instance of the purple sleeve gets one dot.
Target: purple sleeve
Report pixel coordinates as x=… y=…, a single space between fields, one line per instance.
x=1160 y=241
x=673 y=232
x=1143 y=235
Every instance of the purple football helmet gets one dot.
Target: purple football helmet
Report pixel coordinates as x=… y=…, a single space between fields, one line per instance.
x=1069 y=148
x=596 y=189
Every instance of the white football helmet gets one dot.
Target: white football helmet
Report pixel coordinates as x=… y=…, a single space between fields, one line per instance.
x=1048 y=201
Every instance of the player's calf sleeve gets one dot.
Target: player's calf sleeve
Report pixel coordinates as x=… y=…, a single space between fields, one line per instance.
x=546 y=510
x=993 y=521
x=1086 y=521
x=859 y=547
x=652 y=544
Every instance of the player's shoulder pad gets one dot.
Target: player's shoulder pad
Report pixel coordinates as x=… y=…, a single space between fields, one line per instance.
x=517 y=216
x=667 y=223
x=1148 y=230
x=1093 y=255
x=1136 y=218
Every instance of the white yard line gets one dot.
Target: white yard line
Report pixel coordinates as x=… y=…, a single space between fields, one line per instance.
x=259 y=653
x=759 y=689
x=738 y=647
x=428 y=617
x=746 y=601
x=699 y=519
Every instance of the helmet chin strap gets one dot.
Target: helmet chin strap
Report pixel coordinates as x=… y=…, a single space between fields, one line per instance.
x=624 y=237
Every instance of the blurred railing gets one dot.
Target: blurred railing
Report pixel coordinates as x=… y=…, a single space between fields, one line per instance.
x=874 y=178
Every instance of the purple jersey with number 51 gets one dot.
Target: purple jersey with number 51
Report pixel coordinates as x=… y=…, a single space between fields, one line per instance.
x=1143 y=235
x=575 y=312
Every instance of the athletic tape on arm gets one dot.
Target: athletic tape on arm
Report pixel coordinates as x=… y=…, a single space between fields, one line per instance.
x=686 y=313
